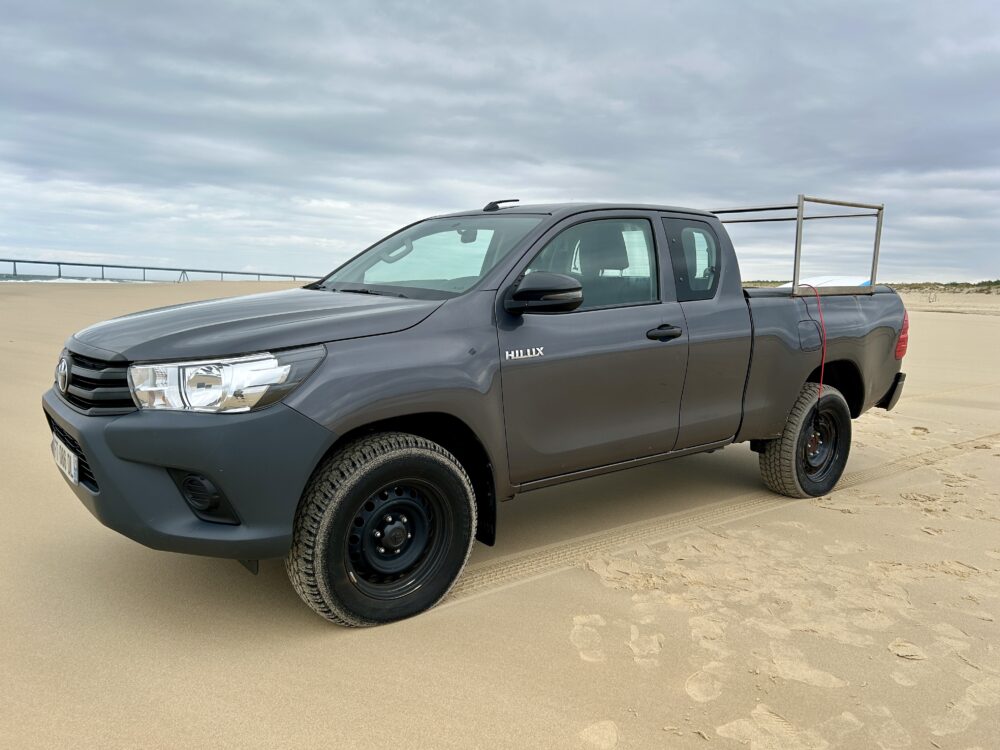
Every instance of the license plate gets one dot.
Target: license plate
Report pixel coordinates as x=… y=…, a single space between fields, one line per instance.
x=65 y=460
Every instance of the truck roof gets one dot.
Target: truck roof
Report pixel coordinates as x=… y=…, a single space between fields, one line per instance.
x=562 y=209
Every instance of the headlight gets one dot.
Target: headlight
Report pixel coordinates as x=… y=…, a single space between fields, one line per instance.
x=234 y=384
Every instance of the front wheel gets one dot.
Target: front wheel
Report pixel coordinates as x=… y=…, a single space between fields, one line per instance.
x=809 y=457
x=383 y=530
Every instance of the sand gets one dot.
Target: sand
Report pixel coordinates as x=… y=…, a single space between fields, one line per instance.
x=678 y=605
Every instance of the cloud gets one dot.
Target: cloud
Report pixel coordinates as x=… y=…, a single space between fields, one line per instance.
x=286 y=136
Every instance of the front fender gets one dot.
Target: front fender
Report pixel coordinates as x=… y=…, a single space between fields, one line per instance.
x=448 y=364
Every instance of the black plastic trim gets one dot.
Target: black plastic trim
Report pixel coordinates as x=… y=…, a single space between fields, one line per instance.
x=891 y=398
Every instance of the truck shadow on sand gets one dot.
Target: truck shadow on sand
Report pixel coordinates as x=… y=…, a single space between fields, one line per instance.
x=190 y=594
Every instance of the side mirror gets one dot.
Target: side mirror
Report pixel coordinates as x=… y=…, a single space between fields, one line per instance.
x=544 y=292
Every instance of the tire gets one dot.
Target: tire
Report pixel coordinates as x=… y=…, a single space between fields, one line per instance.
x=809 y=457
x=383 y=530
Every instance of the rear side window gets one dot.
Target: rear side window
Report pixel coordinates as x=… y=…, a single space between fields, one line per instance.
x=695 y=257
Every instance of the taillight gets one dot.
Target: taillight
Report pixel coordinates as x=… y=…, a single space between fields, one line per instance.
x=904 y=337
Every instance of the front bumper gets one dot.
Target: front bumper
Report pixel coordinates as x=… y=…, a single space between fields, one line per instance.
x=260 y=460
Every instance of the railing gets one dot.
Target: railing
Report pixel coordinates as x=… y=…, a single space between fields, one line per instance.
x=183 y=273
x=799 y=207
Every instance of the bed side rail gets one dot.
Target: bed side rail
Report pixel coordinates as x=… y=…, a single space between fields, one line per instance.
x=776 y=213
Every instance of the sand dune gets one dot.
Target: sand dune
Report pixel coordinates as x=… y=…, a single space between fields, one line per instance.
x=678 y=605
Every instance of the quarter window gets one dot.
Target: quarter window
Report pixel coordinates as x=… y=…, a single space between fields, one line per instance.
x=614 y=259
x=694 y=255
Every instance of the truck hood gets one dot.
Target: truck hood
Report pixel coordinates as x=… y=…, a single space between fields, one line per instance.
x=243 y=325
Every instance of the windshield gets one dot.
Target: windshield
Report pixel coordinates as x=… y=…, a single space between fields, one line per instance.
x=435 y=258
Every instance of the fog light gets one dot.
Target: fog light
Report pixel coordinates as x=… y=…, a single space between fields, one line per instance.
x=205 y=499
x=200 y=493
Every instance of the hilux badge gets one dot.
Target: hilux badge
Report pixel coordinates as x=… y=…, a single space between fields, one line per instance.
x=536 y=351
x=62 y=374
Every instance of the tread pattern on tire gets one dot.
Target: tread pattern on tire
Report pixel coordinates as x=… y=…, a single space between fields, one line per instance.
x=329 y=486
x=779 y=459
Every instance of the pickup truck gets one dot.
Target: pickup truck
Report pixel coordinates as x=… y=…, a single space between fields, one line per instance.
x=364 y=427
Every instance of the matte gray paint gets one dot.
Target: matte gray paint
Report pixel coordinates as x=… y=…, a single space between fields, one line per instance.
x=718 y=354
x=601 y=398
x=261 y=461
x=448 y=364
x=861 y=329
x=243 y=325
x=604 y=392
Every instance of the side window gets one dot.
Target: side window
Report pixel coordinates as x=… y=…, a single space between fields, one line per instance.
x=614 y=259
x=695 y=257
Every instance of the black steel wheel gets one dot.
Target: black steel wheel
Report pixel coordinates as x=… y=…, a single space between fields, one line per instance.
x=811 y=454
x=819 y=441
x=384 y=529
x=393 y=545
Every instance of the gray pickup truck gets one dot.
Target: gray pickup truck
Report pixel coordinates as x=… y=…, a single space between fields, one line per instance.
x=365 y=426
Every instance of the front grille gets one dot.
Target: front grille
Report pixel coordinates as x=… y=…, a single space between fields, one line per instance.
x=98 y=387
x=84 y=473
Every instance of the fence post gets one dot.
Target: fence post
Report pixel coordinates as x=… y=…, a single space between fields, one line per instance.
x=15 y=268
x=102 y=273
x=59 y=269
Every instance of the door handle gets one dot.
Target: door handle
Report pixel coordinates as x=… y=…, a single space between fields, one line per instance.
x=666 y=332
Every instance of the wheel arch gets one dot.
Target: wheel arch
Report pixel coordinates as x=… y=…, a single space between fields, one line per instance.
x=845 y=376
x=455 y=436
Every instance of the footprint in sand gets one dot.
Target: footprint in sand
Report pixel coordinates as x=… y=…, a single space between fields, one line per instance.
x=586 y=637
x=951 y=479
x=602 y=735
x=767 y=729
x=702 y=686
x=645 y=648
x=919 y=431
x=906 y=650
x=790 y=664
x=902 y=679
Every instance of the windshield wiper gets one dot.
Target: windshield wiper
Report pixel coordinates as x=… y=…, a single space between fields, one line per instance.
x=364 y=290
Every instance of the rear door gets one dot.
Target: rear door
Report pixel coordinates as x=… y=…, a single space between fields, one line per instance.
x=710 y=293
x=589 y=388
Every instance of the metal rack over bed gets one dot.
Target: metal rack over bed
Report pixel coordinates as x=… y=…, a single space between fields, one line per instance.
x=870 y=209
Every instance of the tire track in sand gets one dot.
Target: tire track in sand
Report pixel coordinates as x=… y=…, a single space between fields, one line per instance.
x=511 y=570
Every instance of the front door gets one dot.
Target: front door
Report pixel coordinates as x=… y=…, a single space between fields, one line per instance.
x=590 y=387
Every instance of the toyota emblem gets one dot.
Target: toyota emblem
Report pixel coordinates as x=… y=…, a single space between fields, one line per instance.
x=62 y=374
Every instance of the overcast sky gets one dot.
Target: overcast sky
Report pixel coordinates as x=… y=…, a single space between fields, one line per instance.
x=286 y=136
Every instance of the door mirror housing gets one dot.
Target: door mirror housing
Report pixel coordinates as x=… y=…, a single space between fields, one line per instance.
x=544 y=292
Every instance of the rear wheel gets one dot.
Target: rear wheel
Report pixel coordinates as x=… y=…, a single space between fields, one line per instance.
x=809 y=457
x=383 y=531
